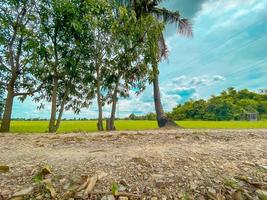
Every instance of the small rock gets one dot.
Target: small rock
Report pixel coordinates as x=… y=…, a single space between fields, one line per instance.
x=101 y=175
x=124 y=183
x=193 y=185
x=262 y=194
x=39 y=197
x=164 y=198
x=23 y=192
x=108 y=197
x=121 y=188
x=191 y=158
x=123 y=198
x=249 y=163
x=154 y=198
x=212 y=191
x=263 y=166
x=157 y=176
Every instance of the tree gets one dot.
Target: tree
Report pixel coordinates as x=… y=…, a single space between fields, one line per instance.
x=132 y=57
x=132 y=116
x=151 y=116
x=64 y=49
x=100 y=19
x=17 y=45
x=150 y=7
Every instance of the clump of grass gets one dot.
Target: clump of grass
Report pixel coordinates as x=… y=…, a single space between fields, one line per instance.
x=232 y=184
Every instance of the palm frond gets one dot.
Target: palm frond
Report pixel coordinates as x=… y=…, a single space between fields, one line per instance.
x=166 y=15
x=163 y=48
x=184 y=25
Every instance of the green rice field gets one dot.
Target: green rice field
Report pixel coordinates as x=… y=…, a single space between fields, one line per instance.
x=90 y=126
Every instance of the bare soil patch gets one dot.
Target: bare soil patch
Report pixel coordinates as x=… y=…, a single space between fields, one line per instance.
x=159 y=164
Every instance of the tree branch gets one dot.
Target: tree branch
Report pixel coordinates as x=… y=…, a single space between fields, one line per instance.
x=30 y=92
x=15 y=27
x=18 y=21
x=19 y=51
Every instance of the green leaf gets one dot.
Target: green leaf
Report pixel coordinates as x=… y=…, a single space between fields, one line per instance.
x=114 y=189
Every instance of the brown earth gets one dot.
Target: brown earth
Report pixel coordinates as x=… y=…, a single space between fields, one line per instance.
x=158 y=164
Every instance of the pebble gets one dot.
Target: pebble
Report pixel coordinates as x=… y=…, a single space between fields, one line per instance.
x=123 y=198
x=122 y=188
x=211 y=190
x=164 y=198
x=23 y=192
x=108 y=197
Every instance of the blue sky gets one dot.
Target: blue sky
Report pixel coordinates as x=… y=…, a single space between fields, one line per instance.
x=228 y=50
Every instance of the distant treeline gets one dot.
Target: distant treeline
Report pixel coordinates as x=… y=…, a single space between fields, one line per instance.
x=229 y=105
x=149 y=116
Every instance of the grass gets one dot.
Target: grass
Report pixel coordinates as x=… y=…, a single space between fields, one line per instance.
x=90 y=126
x=224 y=124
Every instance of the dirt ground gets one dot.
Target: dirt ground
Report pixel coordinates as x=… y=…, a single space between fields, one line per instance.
x=158 y=164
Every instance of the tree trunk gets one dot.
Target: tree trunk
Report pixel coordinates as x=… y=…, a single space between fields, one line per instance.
x=62 y=106
x=5 y=125
x=53 y=106
x=163 y=120
x=99 y=100
x=111 y=126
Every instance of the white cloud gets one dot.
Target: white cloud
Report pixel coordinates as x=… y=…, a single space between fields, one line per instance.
x=187 y=82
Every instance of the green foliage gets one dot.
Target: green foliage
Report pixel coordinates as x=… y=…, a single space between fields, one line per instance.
x=114 y=189
x=230 y=105
x=38 y=178
x=149 y=116
x=18 y=42
x=64 y=49
x=40 y=174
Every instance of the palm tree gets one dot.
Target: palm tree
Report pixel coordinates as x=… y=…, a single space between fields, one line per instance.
x=150 y=7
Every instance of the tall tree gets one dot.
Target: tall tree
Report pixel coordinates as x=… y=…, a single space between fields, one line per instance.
x=129 y=65
x=99 y=17
x=62 y=47
x=119 y=56
x=17 y=45
x=151 y=7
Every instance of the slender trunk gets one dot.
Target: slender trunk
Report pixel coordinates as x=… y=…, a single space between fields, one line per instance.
x=62 y=106
x=53 y=106
x=55 y=85
x=5 y=125
x=157 y=98
x=99 y=100
x=163 y=120
x=111 y=121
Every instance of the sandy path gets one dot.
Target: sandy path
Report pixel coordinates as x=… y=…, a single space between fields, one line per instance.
x=163 y=163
